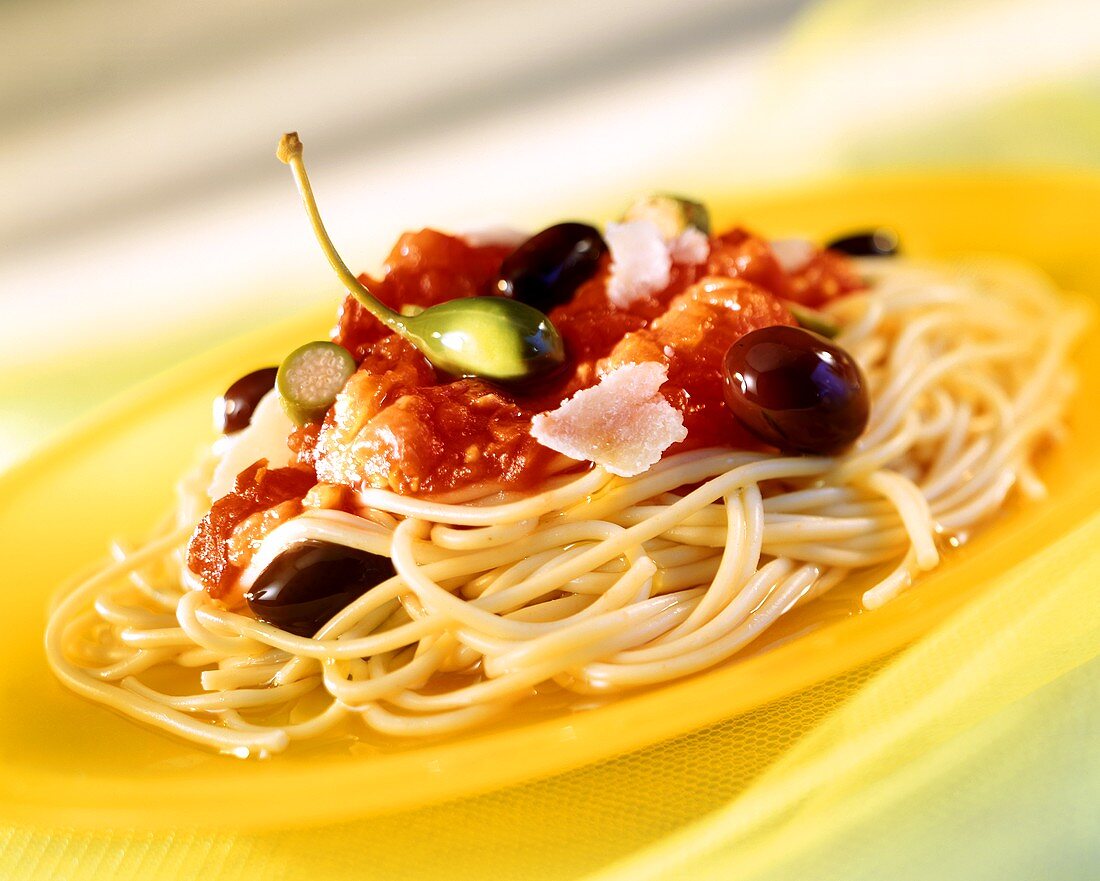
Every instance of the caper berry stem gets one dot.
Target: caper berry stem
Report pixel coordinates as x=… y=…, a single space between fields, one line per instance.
x=496 y=338
x=289 y=152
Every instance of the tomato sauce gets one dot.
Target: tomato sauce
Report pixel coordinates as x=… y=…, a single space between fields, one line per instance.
x=401 y=426
x=418 y=433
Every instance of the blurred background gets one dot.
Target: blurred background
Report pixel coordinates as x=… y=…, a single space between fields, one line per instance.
x=146 y=217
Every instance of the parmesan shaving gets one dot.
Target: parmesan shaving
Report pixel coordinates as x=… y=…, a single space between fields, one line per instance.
x=793 y=254
x=640 y=261
x=622 y=424
x=691 y=247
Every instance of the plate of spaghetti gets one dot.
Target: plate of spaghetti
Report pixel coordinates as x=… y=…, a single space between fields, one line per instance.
x=541 y=499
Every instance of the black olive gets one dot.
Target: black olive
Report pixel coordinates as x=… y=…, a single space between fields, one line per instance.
x=233 y=410
x=796 y=390
x=306 y=585
x=881 y=242
x=545 y=270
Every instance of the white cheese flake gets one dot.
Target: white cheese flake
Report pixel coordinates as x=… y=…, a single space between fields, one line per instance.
x=623 y=423
x=793 y=254
x=640 y=261
x=691 y=247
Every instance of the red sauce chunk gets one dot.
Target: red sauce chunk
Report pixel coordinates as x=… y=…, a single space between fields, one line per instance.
x=828 y=275
x=396 y=427
x=257 y=488
x=400 y=425
x=740 y=254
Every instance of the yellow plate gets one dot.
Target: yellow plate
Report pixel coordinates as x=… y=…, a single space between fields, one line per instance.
x=65 y=761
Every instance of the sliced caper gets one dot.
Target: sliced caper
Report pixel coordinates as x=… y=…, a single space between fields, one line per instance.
x=311 y=377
